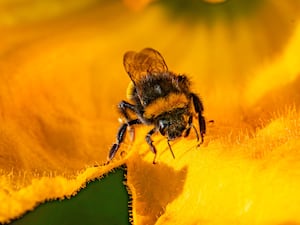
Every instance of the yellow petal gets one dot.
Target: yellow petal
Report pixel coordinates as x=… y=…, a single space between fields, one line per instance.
x=56 y=110
x=235 y=178
x=61 y=78
x=247 y=171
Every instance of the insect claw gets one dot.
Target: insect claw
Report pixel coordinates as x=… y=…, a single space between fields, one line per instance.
x=202 y=140
x=154 y=160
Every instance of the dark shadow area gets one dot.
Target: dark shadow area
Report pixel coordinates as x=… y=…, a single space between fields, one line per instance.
x=103 y=201
x=156 y=186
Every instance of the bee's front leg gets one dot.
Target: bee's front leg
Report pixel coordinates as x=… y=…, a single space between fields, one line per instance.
x=120 y=137
x=124 y=107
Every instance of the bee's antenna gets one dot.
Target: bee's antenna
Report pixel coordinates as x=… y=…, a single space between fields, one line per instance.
x=171 y=149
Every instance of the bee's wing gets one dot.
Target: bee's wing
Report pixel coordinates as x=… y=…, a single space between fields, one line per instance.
x=147 y=61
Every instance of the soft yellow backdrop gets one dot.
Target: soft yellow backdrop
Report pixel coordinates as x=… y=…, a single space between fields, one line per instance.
x=61 y=77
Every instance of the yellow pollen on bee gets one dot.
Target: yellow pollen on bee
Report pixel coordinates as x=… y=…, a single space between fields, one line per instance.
x=165 y=104
x=129 y=90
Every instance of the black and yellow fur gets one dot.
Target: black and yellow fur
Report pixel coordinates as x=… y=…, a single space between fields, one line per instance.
x=158 y=97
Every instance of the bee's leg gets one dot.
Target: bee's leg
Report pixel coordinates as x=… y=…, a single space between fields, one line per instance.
x=190 y=125
x=199 y=110
x=124 y=106
x=120 y=137
x=149 y=141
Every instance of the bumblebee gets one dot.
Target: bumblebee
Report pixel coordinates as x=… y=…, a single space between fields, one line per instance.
x=159 y=98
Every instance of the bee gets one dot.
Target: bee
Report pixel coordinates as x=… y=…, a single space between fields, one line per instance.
x=158 y=98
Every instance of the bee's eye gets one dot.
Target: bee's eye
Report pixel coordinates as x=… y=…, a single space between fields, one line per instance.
x=163 y=124
x=157 y=89
x=145 y=102
x=181 y=78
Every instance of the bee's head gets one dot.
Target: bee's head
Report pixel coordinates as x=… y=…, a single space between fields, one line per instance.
x=172 y=125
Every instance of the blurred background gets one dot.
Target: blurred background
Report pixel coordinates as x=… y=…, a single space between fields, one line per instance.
x=61 y=72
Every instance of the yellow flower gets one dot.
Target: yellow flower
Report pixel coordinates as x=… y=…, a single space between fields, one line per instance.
x=61 y=77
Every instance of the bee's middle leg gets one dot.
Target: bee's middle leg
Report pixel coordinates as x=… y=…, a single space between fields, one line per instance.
x=190 y=125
